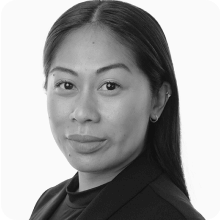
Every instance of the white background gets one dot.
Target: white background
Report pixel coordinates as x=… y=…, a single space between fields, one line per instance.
x=30 y=160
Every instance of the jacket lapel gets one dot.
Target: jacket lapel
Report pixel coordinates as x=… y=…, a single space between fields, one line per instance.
x=45 y=212
x=121 y=189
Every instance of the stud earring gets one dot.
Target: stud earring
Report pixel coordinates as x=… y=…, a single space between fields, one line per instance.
x=168 y=94
x=154 y=120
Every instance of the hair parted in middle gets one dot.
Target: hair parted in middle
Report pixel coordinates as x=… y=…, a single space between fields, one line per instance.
x=137 y=30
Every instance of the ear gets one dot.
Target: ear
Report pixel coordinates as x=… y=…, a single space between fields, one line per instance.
x=159 y=101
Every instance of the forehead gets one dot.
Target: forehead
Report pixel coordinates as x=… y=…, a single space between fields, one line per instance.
x=92 y=45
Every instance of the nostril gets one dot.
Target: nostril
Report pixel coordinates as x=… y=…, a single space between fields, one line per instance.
x=84 y=115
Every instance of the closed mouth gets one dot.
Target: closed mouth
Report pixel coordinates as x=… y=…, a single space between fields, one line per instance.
x=84 y=138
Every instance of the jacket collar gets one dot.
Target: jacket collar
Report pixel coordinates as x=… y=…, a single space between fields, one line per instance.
x=46 y=210
x=124 y=187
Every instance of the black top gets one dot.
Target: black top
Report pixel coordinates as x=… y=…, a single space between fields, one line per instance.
x=75 y=202
x=141 y=191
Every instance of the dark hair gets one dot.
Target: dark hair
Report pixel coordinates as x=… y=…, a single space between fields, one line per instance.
x=141 y=33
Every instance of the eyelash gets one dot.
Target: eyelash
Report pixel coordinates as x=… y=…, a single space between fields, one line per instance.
x=58 y=84
x=111 y=82
x=64 y=81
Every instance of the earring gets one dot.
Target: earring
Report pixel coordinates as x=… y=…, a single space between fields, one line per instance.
x=154 y=120
x=168 y=94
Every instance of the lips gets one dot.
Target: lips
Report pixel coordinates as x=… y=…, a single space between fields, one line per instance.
x=85 y=144
x=84 y=138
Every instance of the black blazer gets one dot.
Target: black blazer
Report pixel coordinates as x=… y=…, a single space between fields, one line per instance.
x=141 y=191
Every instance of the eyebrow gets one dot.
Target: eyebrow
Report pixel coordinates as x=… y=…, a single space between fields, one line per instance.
x=98 y=71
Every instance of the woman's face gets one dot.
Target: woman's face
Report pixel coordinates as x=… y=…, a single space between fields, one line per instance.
x=95 y=88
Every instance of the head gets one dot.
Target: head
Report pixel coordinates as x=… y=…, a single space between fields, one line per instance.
x=108 y=67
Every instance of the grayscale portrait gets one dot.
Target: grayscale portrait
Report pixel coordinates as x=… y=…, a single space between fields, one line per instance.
x=113 y=109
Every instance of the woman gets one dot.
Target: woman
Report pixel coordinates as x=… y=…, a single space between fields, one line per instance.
x=114 y=113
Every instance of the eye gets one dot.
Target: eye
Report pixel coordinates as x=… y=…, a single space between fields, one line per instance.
x=64 y=85
x=109 y=86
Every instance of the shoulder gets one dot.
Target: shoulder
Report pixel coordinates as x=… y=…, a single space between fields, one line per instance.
x=51 y=194
x=173 y=197
x=55 y=189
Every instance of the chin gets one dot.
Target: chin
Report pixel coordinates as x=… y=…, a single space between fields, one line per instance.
x=86 y=163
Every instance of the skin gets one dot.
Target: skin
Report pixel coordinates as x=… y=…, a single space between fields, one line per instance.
x=85 y=105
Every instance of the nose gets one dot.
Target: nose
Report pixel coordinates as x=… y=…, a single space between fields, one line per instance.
x=85 y=109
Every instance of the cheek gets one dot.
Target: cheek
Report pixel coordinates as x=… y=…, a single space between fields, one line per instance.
x=58 y=110
x=127 y=119
x=134 y=121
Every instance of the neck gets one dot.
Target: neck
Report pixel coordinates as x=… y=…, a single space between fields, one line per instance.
x=94 y=179
x=89 y=180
